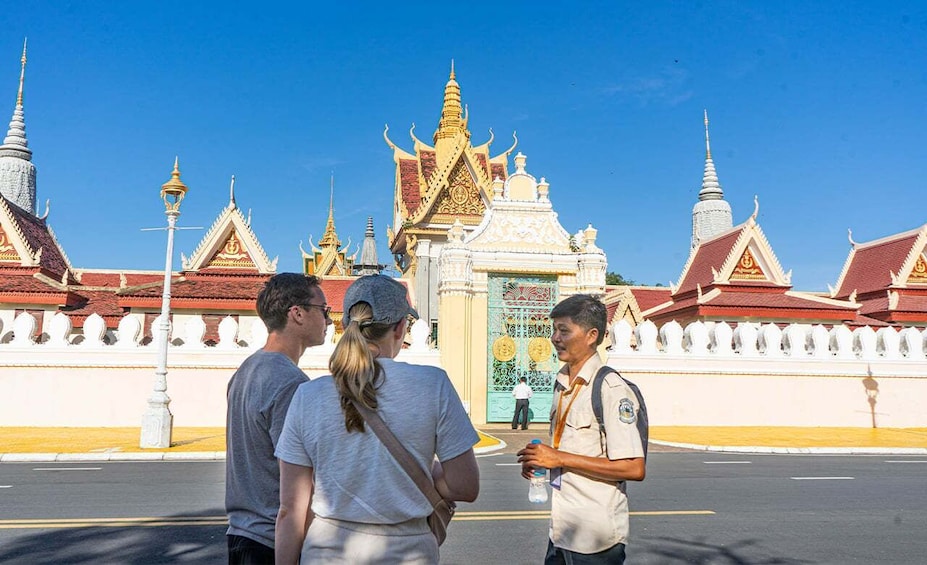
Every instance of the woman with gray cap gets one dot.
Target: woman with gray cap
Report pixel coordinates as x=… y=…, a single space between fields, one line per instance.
x=343 y=496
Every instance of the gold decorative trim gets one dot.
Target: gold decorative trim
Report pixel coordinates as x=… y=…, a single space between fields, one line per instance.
x=503 y=349
x=539 y=349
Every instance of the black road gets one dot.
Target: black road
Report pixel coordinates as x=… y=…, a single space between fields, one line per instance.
x=693 y=508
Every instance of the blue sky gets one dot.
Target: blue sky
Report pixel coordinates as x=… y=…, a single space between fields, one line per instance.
x=818 y=108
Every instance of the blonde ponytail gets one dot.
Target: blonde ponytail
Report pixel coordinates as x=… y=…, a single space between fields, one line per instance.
x=354 y=365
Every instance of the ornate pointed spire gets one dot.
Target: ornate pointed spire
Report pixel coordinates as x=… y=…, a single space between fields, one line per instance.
x=232 y=191
x=368 y=261
x=17 y=175
x=330 y=238
x=22 y=75
x=711 y=188
x=452 y=121
x=711 y=214
x=16 y=136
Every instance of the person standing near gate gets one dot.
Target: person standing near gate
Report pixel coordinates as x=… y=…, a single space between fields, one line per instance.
x=588 y=465
x=522 y=392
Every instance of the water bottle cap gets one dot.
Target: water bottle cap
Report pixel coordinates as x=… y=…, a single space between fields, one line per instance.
x=535 y=440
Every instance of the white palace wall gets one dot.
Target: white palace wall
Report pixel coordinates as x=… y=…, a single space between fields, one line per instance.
x=705 y=374
x=76 y=380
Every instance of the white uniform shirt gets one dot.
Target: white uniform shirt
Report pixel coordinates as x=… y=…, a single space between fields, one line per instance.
x=589 y=515
x=522 y=391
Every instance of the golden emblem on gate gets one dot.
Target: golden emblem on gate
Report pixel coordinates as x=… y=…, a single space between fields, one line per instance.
x=539 y=349
x=503 y=349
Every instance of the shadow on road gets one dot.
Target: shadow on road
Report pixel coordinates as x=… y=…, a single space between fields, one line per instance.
x=187 y=542
x=700 y=551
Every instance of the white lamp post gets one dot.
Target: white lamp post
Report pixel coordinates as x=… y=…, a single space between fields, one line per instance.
x=157 y=422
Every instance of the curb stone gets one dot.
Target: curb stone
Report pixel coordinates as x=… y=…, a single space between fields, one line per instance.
x=798 y=450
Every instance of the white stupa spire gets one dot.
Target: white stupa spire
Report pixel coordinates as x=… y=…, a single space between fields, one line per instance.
x=711 y=214
x=17 y=173
x=368 y=263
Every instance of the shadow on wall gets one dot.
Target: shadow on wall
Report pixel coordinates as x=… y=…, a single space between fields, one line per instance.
x=872 y=393
x=195 y=539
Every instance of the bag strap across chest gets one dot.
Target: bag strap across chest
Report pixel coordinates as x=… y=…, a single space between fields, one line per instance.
x=643 y=426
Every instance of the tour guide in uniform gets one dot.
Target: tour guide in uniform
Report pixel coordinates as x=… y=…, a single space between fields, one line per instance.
x=589 y=507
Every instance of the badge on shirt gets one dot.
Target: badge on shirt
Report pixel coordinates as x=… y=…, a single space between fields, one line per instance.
x=626 y=411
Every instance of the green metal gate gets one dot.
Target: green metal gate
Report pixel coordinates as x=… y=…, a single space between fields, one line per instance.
x=519 y=344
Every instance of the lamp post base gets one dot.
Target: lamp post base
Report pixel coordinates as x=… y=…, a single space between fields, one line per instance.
x=157 y=425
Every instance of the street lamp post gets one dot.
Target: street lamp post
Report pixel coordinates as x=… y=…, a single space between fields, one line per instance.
x=157 y=422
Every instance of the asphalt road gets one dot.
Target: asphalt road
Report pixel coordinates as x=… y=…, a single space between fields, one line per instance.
x=693 y=508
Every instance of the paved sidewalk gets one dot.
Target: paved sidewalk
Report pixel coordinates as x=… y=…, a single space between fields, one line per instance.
x=121 y=444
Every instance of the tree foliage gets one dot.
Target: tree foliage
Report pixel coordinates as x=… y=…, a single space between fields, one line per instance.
x=612 y=278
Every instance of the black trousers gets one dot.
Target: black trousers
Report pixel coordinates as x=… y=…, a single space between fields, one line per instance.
x=521 y=413
x=246 y=551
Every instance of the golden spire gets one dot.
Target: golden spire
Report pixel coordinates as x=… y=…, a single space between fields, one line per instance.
x=451 y=122
x=330 y=238
x=22 y=76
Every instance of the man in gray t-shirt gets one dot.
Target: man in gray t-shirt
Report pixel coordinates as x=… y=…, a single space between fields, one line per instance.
x=293 y=308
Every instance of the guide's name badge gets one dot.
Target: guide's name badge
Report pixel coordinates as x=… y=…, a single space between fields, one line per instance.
x=555 y=474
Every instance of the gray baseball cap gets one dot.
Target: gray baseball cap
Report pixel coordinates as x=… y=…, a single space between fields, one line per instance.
x=386 y=296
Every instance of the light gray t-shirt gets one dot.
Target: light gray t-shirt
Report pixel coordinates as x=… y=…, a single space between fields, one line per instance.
x=259 y=394
x=356 y=477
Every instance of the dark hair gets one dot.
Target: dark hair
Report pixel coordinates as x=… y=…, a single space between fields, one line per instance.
x=280 y=293
x=585 y=311
x=523 y=380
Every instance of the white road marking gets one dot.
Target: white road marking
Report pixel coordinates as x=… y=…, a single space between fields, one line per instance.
x=822 y=478
x=68 y=469
x=508 y=464
x=727 y=462
x=908 y=461
x=6 y=486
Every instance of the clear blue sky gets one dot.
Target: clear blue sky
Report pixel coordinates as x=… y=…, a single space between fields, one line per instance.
x=818 y=108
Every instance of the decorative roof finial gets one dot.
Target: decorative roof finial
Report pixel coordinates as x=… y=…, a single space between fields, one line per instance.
x=232 y=191
x=22 y=75
x=756 y=207
x=452 y=121
x=330 y=238
x=850 y=237
x=707 y=142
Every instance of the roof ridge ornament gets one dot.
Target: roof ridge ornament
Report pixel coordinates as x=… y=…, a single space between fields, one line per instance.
x=707 y=141
x=232 y=192
x=756 y=207
x=850 y=238
x=47 y=208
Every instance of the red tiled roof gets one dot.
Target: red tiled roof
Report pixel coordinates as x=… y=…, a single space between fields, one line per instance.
x=409 y=187
x=483 y=162
x=37 y=236
x=429 y=162
x=101 y=302
x=760 y=304
x=498 y=170
x=710 y=254
x=648 y=297
x=869 y=269
x=207 y=288
x=96 y=278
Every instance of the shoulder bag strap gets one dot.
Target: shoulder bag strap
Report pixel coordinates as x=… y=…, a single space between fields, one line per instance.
x=400 y=453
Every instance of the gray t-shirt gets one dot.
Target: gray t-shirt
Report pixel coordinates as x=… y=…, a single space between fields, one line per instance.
x=356 y=478
x=259 y=394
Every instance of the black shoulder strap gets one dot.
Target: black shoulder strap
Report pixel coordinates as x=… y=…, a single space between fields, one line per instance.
x=643 y=425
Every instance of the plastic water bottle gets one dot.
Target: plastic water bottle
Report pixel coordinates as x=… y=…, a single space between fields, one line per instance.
x=537 y=487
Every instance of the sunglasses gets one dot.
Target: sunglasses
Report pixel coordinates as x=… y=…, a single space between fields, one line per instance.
x=326 y=309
